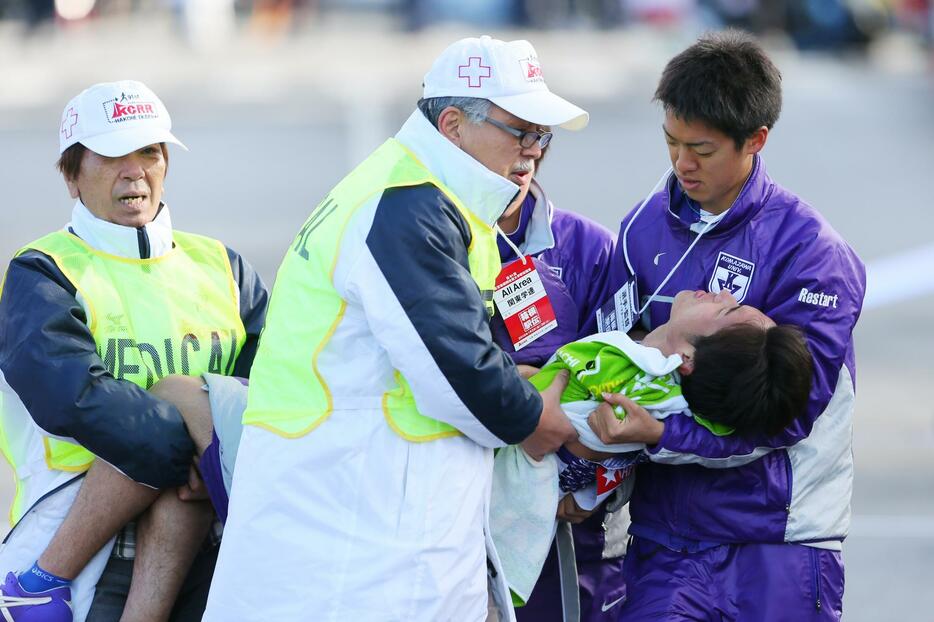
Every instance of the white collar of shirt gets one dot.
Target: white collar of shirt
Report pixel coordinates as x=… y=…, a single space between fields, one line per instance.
x=708 y=220
x=539 y=236
x=119 y=240
x=482 y=191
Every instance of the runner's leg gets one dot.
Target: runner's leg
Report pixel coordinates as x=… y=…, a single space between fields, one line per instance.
x=107 y=501
x=171 y=533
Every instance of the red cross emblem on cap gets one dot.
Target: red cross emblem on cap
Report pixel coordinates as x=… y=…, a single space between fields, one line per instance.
x=474 y=71
x=72 y=116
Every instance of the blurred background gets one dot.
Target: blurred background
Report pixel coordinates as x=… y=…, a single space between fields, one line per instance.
x=278 y=99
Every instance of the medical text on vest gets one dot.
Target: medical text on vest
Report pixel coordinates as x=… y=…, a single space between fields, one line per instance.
x=126 y=358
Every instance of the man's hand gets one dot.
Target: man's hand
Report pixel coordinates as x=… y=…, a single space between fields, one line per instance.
x=569 y=511
x=527 y=371
x=195 y=489
x=638 y=426
x=554 y=429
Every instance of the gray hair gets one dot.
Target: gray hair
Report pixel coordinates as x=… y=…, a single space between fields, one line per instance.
x=474 y=108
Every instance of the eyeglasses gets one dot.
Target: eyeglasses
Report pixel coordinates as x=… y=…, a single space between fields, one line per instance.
x=527 y=138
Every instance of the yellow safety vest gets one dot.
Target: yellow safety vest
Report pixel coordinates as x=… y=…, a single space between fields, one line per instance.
x=288 y=394
x=150 y=318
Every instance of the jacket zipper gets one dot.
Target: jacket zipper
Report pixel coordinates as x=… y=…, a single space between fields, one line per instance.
x=815 y=568
x=142 y=239
x=790 y=478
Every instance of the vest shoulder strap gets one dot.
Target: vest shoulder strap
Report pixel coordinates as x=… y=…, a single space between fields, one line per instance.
x=55 y=243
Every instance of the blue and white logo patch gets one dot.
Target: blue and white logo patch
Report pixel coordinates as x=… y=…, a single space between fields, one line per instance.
x=733 y=275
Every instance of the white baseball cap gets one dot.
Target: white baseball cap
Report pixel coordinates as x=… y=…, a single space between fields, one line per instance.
x=115 y=118
x=505 y=72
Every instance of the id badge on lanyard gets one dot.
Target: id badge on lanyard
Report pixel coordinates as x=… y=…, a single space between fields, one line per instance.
x=621 y=312
x=523 y=303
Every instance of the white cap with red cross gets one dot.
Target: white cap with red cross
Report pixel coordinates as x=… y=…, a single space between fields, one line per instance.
x=505 y=72
x=115 y=118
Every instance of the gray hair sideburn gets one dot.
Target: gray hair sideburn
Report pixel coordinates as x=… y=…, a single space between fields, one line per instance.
x=474 y=108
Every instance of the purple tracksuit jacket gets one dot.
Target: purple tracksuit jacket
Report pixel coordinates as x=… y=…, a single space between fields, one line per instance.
x=571 y=254
x=775 y=252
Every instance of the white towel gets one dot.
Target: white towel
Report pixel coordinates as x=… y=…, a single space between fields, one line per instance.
x=522 y=515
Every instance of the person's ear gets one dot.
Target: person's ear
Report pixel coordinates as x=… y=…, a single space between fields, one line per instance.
x=72 y=188
x=451 y=124
x=687 y=363
x=756 y=142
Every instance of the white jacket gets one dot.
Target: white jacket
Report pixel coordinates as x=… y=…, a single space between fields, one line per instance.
x=351 y=521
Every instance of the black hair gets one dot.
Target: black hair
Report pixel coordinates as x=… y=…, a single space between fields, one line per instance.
x=69 y=163
x=726 y=81
x=753 y=379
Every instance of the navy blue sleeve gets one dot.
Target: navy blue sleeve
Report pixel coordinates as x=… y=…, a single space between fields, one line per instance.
x=419 y=240
x=254 y=299
x=49 y=359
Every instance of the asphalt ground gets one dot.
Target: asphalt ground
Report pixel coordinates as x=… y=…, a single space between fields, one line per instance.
x=271 y=128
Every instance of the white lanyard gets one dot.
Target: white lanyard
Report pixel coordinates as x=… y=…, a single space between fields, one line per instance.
x=515 y=248
x=664 y=179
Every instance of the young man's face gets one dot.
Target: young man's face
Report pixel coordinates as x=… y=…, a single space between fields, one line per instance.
x=709 y=167
x=699 y=313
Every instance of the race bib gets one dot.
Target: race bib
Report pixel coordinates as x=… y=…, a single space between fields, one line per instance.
x=523 y=303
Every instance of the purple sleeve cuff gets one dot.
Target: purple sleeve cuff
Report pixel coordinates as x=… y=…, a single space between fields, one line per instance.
x=683 y=435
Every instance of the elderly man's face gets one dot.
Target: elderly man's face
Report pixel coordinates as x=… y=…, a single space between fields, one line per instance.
x=126 y=190
x=500 y=151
